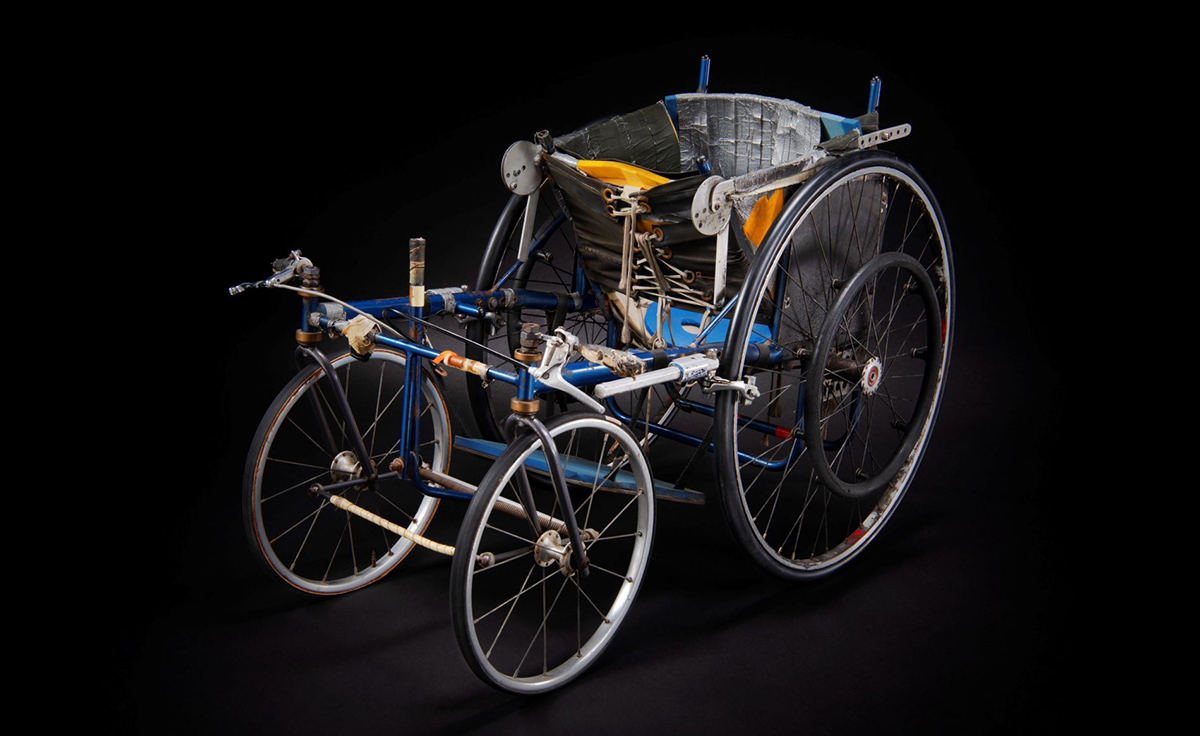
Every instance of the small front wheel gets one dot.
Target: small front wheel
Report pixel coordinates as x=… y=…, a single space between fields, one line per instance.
x=525 y=620
x=302 y=440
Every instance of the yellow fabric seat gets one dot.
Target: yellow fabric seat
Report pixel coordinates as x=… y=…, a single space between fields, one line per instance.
x=621 y=174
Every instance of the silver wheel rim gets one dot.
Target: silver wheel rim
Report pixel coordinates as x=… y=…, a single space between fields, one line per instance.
x=421 y=517
x=599 y=639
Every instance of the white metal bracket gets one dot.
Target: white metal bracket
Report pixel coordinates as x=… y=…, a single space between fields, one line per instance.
x=720 y=265
x=531 y=203
x=883 y=136
x=711 y=206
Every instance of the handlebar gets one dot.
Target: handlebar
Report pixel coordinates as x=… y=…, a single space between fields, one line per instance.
x=285 y=269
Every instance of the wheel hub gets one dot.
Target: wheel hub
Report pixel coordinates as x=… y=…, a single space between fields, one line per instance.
x=345 y=466
x=552 y=549
x=872 y=376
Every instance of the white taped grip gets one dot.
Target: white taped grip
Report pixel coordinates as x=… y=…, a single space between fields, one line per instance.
x=360 y=332
x=360 y=512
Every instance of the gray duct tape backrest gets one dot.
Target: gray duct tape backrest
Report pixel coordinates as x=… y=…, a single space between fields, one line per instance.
x=643 y=138
x=738 y=134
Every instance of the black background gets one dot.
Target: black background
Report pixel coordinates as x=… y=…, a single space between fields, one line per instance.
x=344 y=146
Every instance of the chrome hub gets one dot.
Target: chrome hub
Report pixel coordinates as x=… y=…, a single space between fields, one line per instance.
x=346 y=467
x=552 y=549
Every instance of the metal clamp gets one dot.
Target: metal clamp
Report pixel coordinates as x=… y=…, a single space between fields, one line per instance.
x=682 y=370
x=447 y=295
x=559 y=348
x=748 y=388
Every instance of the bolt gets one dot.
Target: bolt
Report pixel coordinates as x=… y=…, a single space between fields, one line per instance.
x=529 y=332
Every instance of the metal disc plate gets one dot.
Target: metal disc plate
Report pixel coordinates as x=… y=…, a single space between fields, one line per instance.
x=520 y=169
x=707 y=220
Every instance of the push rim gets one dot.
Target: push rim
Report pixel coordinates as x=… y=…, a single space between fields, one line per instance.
x=895 y=375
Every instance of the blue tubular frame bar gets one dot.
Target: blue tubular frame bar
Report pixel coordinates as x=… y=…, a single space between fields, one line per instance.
x=694 y=441
x=716 y=320
x=465 y=302
x=513 y=269
x=410 y=403
x=582 y=374
x=755 y=424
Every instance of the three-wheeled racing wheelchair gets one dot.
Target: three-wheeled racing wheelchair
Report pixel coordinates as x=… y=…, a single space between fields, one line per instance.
x=742 y=275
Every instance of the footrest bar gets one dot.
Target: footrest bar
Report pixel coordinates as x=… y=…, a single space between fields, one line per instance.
x=346 y=505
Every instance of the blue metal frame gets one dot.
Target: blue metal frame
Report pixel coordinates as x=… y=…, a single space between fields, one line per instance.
x=577 y=374
x=477 y=303
x=468 y=303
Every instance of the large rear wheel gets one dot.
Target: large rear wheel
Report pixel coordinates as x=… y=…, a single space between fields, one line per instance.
x=856 y=281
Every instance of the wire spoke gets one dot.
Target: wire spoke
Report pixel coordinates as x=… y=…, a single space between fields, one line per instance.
x=518 y=594
x=304 y=482
x=510 y=609
x=298 y=523
x=541 y=627
x=318 y=445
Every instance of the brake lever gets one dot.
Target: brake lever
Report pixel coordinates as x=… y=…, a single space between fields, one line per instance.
x=285 y=270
